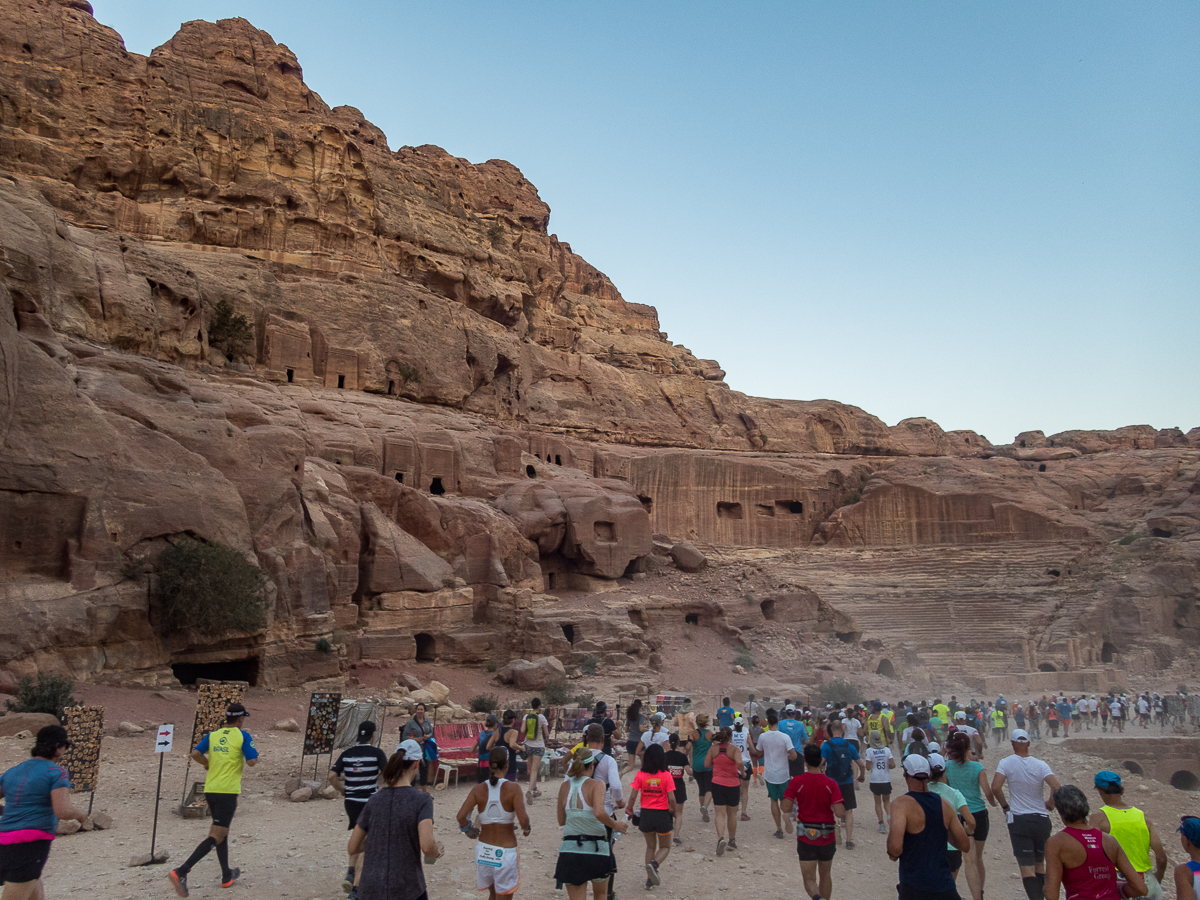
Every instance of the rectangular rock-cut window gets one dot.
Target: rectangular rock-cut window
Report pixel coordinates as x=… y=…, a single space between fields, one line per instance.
x=729 y=510
x=764 y=509
x=792 y=507
x=605 y=532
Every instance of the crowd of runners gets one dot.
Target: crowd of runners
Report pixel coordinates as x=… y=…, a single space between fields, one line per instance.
x=807 y=760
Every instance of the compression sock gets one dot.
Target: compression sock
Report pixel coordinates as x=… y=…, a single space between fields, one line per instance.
x=223 y=858
x=198 y=854
x=1033 y=887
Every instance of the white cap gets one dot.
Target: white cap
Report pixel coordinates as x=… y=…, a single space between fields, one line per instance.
x=885 y=704
x=936 y=761
x=933 y=747
x=916 y=766
x=791 y=707
x=1020 y=736
x=411 y=750
x=960 y=715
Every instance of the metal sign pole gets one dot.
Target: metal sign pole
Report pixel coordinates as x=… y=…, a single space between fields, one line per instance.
x=157 y=791
x=163 y=740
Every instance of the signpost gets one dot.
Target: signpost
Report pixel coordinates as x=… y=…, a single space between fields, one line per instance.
x=164 y=738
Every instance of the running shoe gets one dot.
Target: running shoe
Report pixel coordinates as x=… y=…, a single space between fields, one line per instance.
x=721 y=847
x=353 y=895
x=652 y=873
x=704 y=813
x=179 y=882
x=849 y=845
x=649 y=885
x=745 y=818
x=678 y=842
x=348 y=881
x=233 y=876
x=779 y=833
x=732 y=844
x=882 y=828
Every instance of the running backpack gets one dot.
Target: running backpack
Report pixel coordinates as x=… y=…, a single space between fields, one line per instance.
x=839 y=766
x=431 y=750
x=531 y=727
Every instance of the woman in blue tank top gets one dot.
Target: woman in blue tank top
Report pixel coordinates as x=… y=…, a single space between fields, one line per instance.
x=701 y=741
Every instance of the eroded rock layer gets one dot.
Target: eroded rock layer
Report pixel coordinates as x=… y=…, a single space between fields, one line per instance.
x=442 y=411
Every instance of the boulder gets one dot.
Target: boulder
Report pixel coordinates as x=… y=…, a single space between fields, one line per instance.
x=412 y=682
x=532 y=675
x=286 y=725
x=328 y=792
x=422 y=696
x=102 y=821
x=128 y=728
x=291 y=785
x=68 y=826
x=395 y=560
x=8 y=682
x=14 y=723
x=738 y=670
x=687 y=557
x=144 y=859
x=440 y=692
x=302 y=795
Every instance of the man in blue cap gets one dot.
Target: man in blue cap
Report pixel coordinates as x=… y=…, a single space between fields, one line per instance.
x=1133 y=831
x=1187 y=875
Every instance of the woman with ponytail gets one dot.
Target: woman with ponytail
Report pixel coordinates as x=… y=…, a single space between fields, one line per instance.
x=37 y=794
x=499 y=803
x=585 y=855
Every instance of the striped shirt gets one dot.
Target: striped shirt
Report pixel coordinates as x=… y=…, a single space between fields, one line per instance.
x=360 y=766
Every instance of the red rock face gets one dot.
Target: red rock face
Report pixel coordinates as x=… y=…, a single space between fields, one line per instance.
x=421 y=345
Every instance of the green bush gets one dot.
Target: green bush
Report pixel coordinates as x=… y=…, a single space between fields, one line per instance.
x=840 y=692
x=745 y=659
x=49 y=694
x=324 y=646
x=208 y=589
x=556 y=692
x=496 y=234
x=491 y=665
x=483 y=703
x=1127 y=540
x=587 y=701
x=229 y=331
x=589 y=665
x=1181 y=689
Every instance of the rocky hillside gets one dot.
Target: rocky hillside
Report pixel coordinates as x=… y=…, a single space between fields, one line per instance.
x=436 y=411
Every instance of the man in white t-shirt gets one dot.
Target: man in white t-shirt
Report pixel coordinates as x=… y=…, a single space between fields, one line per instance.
x=1029 y=813
x=778 y=752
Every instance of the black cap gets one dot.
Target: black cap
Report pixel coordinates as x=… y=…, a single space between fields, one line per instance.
x=366 y=731
x=601 y=706
x=235 y=711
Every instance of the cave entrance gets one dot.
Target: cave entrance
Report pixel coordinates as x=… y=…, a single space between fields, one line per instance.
x=1132 y=766
x=531 y=471
x=569 y=633
x=230 y=670
x=729 y=510
x=792 y=507
x=551 y=581
x=341 y=381
x=400 y=477
x=768 y=610
x=647 y=503
x=291 y=374
x=1107 y=651
x=436 y=488
x=391 y=388
x=426 y=647
x=1042 y=467
x=638 y=618
x=691 y=619
x=557 y=460
x=886 y=669
x=1185 y=780
x=1047 y=667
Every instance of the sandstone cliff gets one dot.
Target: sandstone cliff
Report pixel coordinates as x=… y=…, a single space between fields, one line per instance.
x=442 y=407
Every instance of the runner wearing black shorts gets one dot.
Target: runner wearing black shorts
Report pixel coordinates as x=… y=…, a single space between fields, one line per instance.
x=355 y=775
x=677 y=765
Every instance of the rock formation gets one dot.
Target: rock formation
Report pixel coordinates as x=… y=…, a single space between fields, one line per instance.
x=442 y=411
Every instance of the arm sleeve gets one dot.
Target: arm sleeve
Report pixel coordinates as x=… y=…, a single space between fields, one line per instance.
x=426 y=810
x=835 y=792
x=339 y=765
x=249 y=751
x=61 y=779
x=202 y=747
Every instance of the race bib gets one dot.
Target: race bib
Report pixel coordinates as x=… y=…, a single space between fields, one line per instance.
x=487 y=855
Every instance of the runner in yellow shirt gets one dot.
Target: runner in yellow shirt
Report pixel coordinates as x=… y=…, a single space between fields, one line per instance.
x=223 y=753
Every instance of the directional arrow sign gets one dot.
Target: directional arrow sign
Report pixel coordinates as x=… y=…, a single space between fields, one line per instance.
x=164 y=739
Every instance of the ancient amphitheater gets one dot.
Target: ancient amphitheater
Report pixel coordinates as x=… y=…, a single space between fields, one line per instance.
x=446 y=419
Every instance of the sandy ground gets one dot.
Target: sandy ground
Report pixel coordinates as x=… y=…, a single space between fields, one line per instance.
x=297 y=851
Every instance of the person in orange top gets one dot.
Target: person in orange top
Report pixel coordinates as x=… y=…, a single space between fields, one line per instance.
x=657 y=819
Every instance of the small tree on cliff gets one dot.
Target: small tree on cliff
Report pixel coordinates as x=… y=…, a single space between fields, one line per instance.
x=229 y=331
x=208 y=589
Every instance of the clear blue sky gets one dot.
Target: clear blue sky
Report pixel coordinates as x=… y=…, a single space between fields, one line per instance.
x=987 y=214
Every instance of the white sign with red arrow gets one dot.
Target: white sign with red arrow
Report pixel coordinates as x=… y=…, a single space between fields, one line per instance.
x=166 y=735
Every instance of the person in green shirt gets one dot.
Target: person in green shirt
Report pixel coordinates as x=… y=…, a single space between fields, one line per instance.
x=999 y=725
x=942 y=711
x=223 y=753
x=1132 y=829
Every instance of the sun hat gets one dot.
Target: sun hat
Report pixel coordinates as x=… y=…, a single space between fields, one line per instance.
x=411 y=750
x=916 y=766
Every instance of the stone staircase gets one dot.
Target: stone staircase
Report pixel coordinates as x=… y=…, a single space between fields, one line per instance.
x=949 y=607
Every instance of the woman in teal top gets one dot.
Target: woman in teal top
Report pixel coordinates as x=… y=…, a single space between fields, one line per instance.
x=700 y=743
x=585 y=854
x=967 y=776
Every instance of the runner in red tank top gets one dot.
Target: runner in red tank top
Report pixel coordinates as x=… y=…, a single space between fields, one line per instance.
x=1083 y=860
